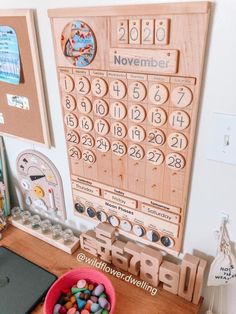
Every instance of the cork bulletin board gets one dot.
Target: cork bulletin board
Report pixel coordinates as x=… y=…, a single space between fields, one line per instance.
x=22 y=104
x=130 y=79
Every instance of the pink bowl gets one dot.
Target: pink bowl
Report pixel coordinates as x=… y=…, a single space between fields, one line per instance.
x=69 y=279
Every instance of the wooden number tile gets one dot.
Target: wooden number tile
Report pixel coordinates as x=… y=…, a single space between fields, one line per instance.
x=88 y=156
x=156 y=137
x=106 y=234
x=150 y=263
x=135 y=251
x=100 y=107
x=136 y=152
x=88 y=242
x=72 y=137
x=101 y=126
x=169 y=275
x=99 y=87
x=137 y=133
x=122 y=32
x=155 y=156
x=187 y=276
x=82 y=85
x=134 y=32
x=120 y=258
x=87 y=140
x=84 y=105
x=181 y=96
x=162 y=31
x=199 y=281
x=117 y=89
x=69 y=102
x=102 y=144
x=66 y=82
x=175 y=161
x=137 y=91
x=157 y=116
x=85 y=123
x=71 y=121
x=137 y=113
x=179 y=120
x=74 y=152
x=147 y=32
x=177 y=141
x=118 y=148
x=118 y=130
x=117 y=110
x=158 y=94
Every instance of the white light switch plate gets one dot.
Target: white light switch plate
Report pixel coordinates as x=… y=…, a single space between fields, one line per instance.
x=222 y=138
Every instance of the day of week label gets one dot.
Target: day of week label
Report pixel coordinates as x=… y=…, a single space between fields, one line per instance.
x=160 y=214
x=120 y=199
x=159 y=78
x=98 y=73
x=161 y=61
x=81 y=72
x=130 y=214
x=117 y=75
x=65 y=70
x=183 y=80
x=135 y=76
x=86 y=188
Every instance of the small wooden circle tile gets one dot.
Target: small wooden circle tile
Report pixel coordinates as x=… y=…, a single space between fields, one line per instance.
x=136 y=133
x=118 y=110
x=136 y=152
x=117 y=89
x=137 y=91
x=85 y=123
x=181 y=96
x=155 y=156
x=158 y=94
x=175 y=161
x=136 y=113
x=118 y=130
x=71 y=121
x=82 y=85
x=102 y=144
x=67 y=83
x=177 y=141
x=157 y=116
x=74 y=152
x=179 y=120
x=69 y=102
x=118 y=148
x=156 y=137
x=101 y=126
x=100 y=107
x=88 y=156
x=84 y=105
x=87 y=140
x=99 y=87
x=72 y=137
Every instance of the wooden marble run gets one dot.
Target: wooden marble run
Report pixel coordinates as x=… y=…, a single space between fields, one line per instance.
x=185 y=280
x=130 y=79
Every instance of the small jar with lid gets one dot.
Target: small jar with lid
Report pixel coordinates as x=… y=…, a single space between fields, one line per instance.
x=35 y=222
x=25 y=217
x=56 y=231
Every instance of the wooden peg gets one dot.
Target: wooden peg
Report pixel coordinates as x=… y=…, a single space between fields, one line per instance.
x=119 y=257
x=187 y=276
x=88 y=242
x=169 y=275
x=135 y=251
x=199 y=281
x=150 y=263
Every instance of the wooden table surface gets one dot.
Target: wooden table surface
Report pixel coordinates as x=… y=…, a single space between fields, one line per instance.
x=130 y=299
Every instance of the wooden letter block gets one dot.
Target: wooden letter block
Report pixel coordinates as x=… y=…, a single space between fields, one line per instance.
x=150 y=263
x=169 y=275
x=134 y=264
x=199 y=281
x=119 y=258
x=187 y=276
x=105 y=234
x=88 y=242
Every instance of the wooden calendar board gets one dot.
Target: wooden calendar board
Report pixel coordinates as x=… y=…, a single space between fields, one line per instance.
x=22 y=106
x=130 y=80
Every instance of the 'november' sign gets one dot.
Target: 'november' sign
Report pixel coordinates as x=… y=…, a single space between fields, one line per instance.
x=150 y=61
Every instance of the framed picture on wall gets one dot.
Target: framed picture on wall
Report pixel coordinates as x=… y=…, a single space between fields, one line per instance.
x=23 y=111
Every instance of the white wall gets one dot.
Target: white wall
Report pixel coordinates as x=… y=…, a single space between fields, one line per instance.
x=213 y=184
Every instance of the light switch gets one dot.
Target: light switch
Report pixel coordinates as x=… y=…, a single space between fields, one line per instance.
x=222 y=138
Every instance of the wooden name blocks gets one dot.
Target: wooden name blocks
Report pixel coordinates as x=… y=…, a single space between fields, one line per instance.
x=185 y=280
